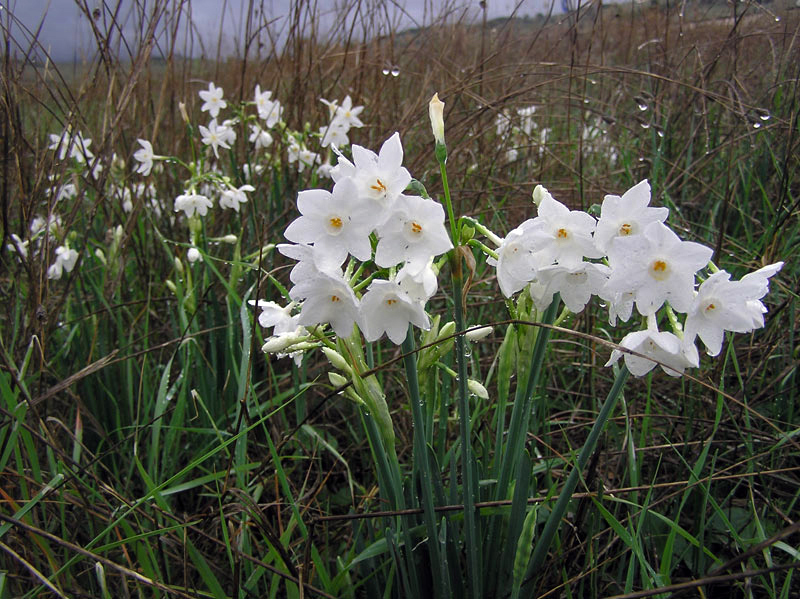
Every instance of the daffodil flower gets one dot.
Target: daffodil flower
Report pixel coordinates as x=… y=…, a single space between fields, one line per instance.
x=192 y=203
x=413 y=233
x=335 y=223
x=514 y=263
x=656 y=266
x=215 y=136
x=145 y=157
x=675 y=356
x=626 y=216
x=234 y=197
x=328 y=299
x=212 y=100
x=65 y=261
x=562 y=236
x=724 y=305
x=380 y=178
x=387 y=308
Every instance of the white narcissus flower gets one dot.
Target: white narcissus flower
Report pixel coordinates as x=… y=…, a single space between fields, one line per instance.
x=562 y=236
x=307 y=267
x=413 y=234
x=145 y=157
x=626 y=216
x=724 y=305
x=306 y=158
x=18 y=245
x=656 y=266
x=515 y=264
x=277 y=317
x=346 y=115
x=215 y=136
x=673 y=354
x=380 y=178
x=324 y=170
x=421 y=285
x=576 y=284
x=234 y=197
x=65 y=261
x=336 y=223
x=212 y=100
x=328 y=299
x=386 y=308
x=333 y=134
x=268 y=110
x=259 y=137
x=192 y=203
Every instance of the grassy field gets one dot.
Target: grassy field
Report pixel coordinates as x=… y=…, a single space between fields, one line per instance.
x=150 y=448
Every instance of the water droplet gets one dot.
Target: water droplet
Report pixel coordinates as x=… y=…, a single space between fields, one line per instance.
x=586 y=100
x=777 y=19
x=763 y=114
x=641 y=159
x=644 y=124
x=659 y=131
x=756 y=125
x=680 y=14
x=395 y=71
x=385 y=71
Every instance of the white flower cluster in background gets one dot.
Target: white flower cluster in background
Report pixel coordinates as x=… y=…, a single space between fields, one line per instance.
x=366 y=208
x=644 y=265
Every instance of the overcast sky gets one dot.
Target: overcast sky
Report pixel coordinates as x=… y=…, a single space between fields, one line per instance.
x=66 y=33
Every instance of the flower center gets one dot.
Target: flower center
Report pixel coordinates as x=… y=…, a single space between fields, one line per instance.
x=625 y=229
x=391 y=301
x=659 y=270
x=335 y=224
x=378 y=186
x=710 y=308
x=562 y=233
x=334 y=299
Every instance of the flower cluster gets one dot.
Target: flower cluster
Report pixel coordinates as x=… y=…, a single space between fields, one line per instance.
x=644 y=265
x=368 y=218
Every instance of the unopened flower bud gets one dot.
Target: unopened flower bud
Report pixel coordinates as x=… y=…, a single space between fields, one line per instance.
x=436 y=112
x=171 y=286
x=229 y=239
x=337 y=360
x=281 y=342
x=477 y=389
x=193 y=255
x=184 y=114
x=178 y=265
x=100 y=256
x=540 y=193
x=336 y=379
x=478 y=334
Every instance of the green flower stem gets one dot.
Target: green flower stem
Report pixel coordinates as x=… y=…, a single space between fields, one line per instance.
x=469 y=484
x=454 y=225
x=554 y=520
x=421 y=462
x=467 y=468
x=523 y=397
